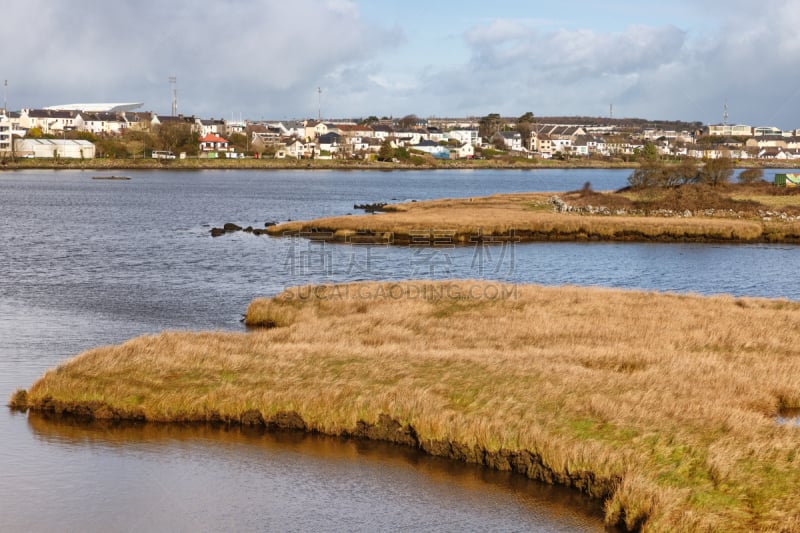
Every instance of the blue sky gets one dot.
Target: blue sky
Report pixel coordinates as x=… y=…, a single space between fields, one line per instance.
x=265 y=59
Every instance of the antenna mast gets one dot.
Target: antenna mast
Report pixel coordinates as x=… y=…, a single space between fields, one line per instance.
x=319 y=104
x=5 y=97
x=173 y=82
x=725 y=114
x=611 y=111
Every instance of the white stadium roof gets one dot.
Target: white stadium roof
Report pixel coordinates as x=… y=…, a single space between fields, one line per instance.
x=97 y=108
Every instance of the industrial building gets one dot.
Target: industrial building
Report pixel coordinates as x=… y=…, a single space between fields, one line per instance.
x=54 y=148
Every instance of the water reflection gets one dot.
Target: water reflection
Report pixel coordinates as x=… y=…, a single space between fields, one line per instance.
x=293 y=481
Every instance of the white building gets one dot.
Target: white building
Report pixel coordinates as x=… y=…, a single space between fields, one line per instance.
x=9 y=126
x=465 y=136
x=54 y=148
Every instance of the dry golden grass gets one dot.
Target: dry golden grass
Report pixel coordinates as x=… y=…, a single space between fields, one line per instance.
x=673 y=395
x=530 y=217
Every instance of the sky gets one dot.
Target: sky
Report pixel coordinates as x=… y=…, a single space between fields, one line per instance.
x=279 y=60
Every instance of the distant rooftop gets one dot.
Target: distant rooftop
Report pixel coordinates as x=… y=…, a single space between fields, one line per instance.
x=97 y=108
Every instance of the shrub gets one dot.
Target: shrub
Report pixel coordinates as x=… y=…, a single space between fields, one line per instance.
x=751 y=175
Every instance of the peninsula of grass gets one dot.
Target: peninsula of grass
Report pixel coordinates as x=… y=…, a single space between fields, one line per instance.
x=692 y=213
x=665 y=406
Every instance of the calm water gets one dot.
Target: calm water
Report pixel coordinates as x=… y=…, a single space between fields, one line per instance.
x=86 y=262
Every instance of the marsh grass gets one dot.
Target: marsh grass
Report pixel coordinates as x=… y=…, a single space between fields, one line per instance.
x=530 y=217
x=675 y=396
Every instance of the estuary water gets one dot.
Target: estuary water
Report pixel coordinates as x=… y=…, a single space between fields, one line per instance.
x=88 y=262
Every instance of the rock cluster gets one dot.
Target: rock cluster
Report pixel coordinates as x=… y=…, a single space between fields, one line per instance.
x=560 y=206
x=230 y=227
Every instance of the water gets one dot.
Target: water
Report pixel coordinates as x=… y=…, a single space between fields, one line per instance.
x=86 y=262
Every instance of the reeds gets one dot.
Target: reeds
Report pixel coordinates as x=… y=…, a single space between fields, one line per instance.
x=529 y=217
x=672 y=398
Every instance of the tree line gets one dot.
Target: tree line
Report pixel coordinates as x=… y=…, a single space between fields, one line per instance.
x=712 y=172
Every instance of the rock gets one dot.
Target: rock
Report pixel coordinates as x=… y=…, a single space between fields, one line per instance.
x=687 y=213
x=230 y=226
x=270 y=223
x=216 y=232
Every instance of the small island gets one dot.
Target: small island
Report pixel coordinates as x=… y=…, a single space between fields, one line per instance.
x=734 y=213
x=676 y=410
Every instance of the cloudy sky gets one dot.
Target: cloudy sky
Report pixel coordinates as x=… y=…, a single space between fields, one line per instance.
x=266 y=59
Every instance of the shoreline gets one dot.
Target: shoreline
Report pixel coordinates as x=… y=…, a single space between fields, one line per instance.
x=386 y=429
x=662 y=405
x=337 y=164
x=541 y=217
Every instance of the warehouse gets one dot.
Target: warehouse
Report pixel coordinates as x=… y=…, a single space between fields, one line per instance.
x=54 y=148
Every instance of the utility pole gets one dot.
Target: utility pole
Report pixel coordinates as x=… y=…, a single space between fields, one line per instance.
x=173 y=82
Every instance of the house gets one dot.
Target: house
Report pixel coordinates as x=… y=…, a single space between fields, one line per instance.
x=263 y=135
x=433 y=148
x=211 y=145
x=730 y=130
x=329 y=144
x=382 y=131
x=768 y=141
x=463 y=151
x=773 y=152
x=408 y=137
x=138 y=121
x=234 y=126
x=9 y=127
x=580 y=146
x=469 y=136
x=51 y=121
x=597 y=145
x=163 y=120
x=512 y=140
x=295 y=148
x=104 y=123
x=206 y=126
x=435 y=134
x=544 y=146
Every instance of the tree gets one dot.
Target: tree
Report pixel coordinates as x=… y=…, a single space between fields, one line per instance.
x=489 y=125
x=525 y=128
x=649 y=174
x=685 y=172
x=716 y=171
x=657 y=174
x=386 y=153
x=751 y=175
x=408 y=121
x=239 y=142
x=650 y=151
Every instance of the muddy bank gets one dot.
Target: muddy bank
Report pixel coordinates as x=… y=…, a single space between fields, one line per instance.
x=334 y=235
x=386 y=429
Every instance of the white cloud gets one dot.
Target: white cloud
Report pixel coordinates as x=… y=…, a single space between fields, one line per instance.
x=750 y=60
x=257 y=56
x=265 y=58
